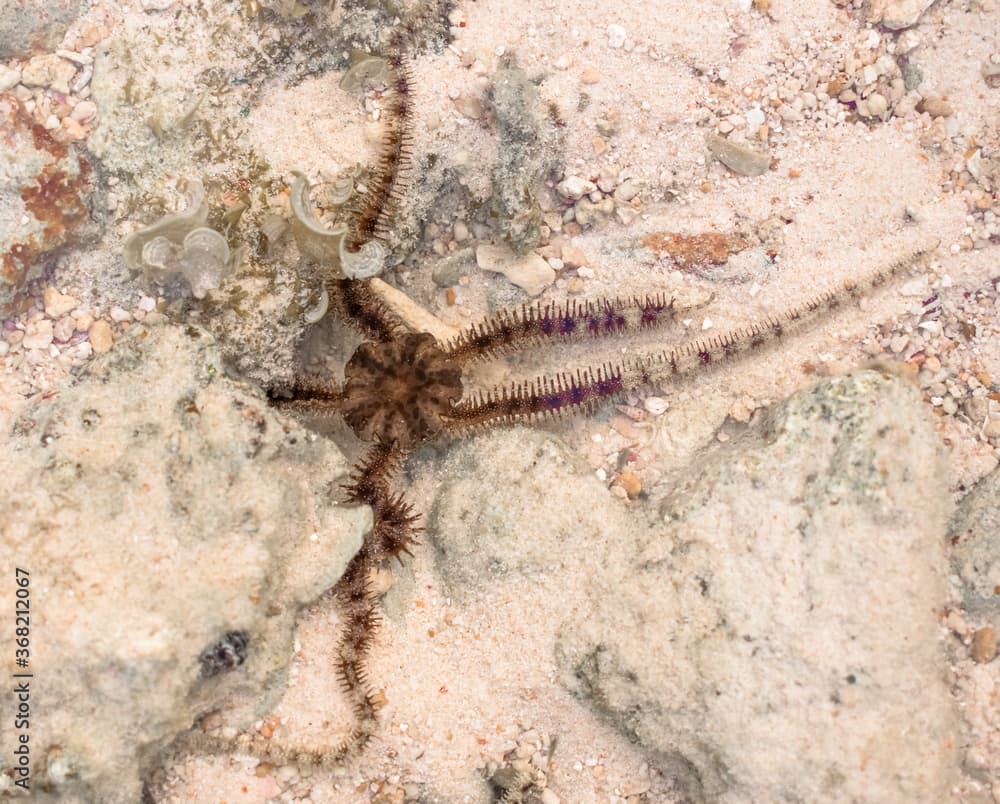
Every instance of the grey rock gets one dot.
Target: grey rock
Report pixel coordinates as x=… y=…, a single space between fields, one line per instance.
x=531 y=273
x=35 y=25
x=767 y=640
x=897 y=14
x=448 y=270
x=627 y=190
x=529 y=148
x=587 y=213
x=975 y=531
x=479 y=534
x=165 y=515
x=913 y=77
x=991 y=74
x=737 y=157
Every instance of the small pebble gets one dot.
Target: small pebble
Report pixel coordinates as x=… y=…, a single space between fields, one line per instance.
x=877 y=105
x=984 y=644
x=935 y=106
x=84 y=112
x=58 y=304
x=470 y=107
x=100 y=337
x=573 y=257
x=38 y=335
x=738 y=158
x=531 y=272
x=631 y=483
x=574 y=188
x=616 y=36
x=9 y=78
x=72 y=129
x=63 y=329
x=48 y=70
x=590 y=76
x=627 y=190
x=83 y=321
x=655 y=405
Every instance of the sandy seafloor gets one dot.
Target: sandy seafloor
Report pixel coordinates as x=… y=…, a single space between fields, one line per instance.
x=465 y=679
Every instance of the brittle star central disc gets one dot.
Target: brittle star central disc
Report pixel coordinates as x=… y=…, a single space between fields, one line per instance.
x=400 y=390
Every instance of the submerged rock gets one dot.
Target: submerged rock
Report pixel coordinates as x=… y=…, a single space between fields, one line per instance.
x=775 y=636
x=482 y=535
x=530 y=273
x=975 y=531
x=45 y=188
x=35 y=26
x=171 y=526
x=529 y=150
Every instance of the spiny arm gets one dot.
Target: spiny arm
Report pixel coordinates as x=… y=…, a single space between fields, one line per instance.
x=532 y=325
x=702 y=352
x=359 y=306
x=565 y=393
x=311 y=397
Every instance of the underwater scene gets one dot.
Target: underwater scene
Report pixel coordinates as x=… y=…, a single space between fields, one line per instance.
x=464 y=401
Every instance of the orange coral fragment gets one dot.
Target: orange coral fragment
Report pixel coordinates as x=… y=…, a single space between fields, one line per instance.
x=710 y=247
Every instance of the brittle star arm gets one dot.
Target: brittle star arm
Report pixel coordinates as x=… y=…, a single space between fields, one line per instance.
x=533 y=325
x=363 y=310
x=586 y=389
x=392 y=532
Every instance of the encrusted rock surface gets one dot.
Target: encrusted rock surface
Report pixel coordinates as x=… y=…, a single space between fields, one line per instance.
x=528 y=151
x=44 y=190
x=25 y=27
x=767 y=639
x=160 y=507
x=481 y=536
x=975 y=531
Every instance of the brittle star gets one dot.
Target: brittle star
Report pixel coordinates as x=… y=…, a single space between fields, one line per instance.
x=403 y=389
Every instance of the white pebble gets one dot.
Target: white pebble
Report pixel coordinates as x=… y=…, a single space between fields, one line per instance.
x=120 y=314
x=9 y=78
x=755 y=118
x=616 y=36
x=574 y=187
x=656 y=405
x=84 y=111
